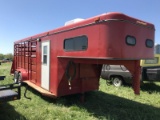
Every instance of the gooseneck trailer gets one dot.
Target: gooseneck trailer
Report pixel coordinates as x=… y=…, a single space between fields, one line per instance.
x=68 y=60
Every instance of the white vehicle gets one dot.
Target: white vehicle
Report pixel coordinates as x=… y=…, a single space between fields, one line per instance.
x=117 y=74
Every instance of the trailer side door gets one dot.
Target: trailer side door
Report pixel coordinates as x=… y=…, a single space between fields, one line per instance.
x=45 y=65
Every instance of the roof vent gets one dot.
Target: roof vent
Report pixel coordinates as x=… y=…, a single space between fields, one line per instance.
x=73 y=21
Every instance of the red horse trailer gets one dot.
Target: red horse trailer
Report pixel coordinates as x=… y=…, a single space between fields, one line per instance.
x=68 y=60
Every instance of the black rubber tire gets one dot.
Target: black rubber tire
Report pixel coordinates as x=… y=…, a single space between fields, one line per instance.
x=16 y=76
x=19 y=77
x=117 y=81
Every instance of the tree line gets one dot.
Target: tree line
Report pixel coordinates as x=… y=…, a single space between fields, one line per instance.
x=6 y=56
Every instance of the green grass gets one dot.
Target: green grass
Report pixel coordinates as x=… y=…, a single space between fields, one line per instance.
x=109 y=103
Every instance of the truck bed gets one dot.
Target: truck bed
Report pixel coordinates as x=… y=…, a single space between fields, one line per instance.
x=8 y=94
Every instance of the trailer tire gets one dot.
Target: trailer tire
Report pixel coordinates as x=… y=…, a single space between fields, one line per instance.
x=117 y=81
x=19 y=77
x=15 y=77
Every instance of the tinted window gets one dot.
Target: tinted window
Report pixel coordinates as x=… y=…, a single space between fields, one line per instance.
x=149 y=43
x=76 y=43
x=44 y=54
x=130 y=40
x=123 y=67
x=106 y=67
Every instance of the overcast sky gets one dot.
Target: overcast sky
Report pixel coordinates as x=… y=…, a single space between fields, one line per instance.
x=24 y=18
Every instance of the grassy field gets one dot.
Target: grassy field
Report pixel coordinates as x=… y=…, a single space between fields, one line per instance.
x=109 y=103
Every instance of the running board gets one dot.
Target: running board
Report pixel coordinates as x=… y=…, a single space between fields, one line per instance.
x=39 y=89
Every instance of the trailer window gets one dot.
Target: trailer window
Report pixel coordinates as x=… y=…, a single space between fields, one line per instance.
x=130 y=40
x=44 y=54
x=149 y=43
x=76 y=44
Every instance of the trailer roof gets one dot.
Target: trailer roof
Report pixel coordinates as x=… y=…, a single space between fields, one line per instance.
x=96 y=19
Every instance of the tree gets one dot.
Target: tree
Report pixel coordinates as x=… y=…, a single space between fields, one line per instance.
x=8 y=56
x=1 y=56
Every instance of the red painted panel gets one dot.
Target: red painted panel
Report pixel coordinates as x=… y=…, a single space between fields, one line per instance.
x=26 y=59
x=38 y=64
x=26 y=66
x=33 y=68
x=33 y=74
x=33 y=49
x=33 y=60
x=87 y=70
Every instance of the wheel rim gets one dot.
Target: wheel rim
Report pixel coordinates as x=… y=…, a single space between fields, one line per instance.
x=15 y=77
x=19 y=77
x=117 y=82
